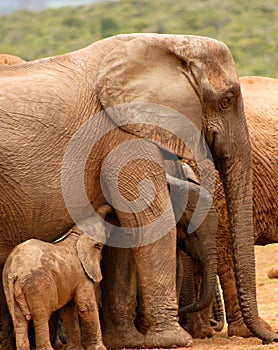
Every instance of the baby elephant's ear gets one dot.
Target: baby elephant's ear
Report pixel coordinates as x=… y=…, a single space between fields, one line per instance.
x=89 y=254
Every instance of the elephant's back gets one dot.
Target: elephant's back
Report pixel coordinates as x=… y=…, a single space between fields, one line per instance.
x=260 y=96
x=263 y=128
x=260 y=91
x=25 y=258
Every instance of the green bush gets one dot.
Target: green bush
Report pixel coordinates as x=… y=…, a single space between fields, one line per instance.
x=250 y=29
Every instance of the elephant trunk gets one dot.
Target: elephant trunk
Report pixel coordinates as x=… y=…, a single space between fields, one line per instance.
x=200 y=244
x=218 y=316
x=236 y=175
x=208 y=265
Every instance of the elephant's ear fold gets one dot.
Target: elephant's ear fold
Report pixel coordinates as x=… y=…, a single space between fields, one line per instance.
x=147 y=88
x=89 y=255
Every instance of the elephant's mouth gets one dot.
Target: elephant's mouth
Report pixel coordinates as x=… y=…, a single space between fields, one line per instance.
x=218 y=148
x=212 y=139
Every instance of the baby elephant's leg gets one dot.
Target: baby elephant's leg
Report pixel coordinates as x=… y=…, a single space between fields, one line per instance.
x=85 y=300
x=71 y=324
x=40 y=320
x=21 y=330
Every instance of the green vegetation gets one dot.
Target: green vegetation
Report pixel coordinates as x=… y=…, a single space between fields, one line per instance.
x=249 y=28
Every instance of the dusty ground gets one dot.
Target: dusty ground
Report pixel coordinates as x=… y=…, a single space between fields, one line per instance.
x=267 y=295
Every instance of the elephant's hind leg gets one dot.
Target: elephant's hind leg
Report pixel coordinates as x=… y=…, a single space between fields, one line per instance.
x=159 y=298
x=41 y=327
x=21 y=330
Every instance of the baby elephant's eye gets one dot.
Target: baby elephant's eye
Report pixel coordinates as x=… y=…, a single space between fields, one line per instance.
x=98 y=246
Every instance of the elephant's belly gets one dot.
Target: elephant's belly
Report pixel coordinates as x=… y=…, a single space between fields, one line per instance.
x=22 y=220
x=32 y=209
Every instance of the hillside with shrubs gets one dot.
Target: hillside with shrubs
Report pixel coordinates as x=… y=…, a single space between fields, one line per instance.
x=250 y=29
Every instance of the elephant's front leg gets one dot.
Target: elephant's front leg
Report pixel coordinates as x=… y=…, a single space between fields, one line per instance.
x=69 y=316
x=87 y=307
x=139 y=194
x=156 y=267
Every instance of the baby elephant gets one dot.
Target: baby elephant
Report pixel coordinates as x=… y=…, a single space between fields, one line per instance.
x=41 y=277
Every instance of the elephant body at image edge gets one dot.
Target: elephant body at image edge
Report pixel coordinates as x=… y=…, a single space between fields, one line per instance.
x=42 y=107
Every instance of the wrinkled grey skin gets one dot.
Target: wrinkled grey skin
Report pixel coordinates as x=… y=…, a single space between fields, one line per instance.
x=43 y=103
x=189 y=280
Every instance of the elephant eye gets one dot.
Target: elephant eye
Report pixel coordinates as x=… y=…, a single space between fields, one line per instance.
x=98 y=246
x=226 y=101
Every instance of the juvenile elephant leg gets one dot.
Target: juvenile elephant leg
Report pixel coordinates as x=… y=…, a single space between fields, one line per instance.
x=41 y=327
x=21 y=330
x=71 y=325
x=202 y=326
x=119 y=299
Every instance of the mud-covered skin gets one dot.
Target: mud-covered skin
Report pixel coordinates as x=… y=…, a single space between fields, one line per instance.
x=40 y=278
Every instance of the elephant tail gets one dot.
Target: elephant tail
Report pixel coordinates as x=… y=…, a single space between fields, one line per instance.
x=15 y=295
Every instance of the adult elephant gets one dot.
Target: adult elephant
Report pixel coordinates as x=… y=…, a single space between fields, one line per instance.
x=43 y=105
x=260 y=95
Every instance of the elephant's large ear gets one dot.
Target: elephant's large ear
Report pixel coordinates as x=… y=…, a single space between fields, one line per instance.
x=89 y=254
x=157 y=93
